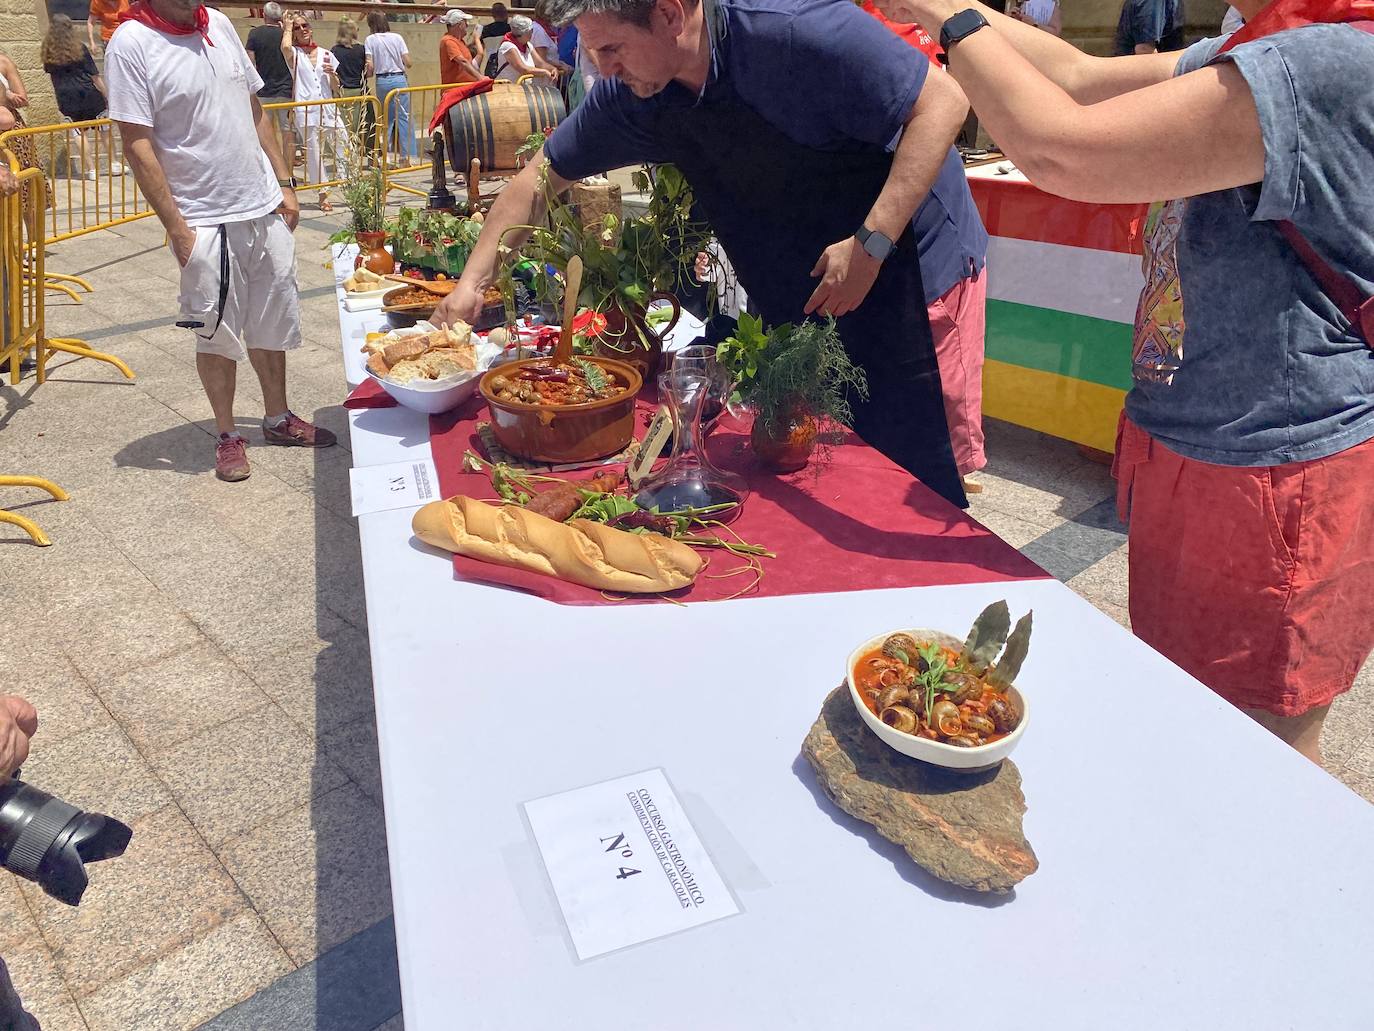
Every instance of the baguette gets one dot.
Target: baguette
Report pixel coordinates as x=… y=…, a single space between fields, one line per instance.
x=581 y=552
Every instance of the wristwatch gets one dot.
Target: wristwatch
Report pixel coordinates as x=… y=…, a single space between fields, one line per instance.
x=874 y=243
x=288 y=181
x=957 y=27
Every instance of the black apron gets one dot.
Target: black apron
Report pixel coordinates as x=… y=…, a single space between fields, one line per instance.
x=776 y=205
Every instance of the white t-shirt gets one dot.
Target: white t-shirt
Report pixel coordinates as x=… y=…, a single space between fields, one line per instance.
x=312 y=83
x=504 y=68
x=541 y=40
x=197 y=99
x=388 y=52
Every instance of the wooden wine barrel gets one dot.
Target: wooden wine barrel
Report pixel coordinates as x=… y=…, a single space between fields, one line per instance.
x=492 y=126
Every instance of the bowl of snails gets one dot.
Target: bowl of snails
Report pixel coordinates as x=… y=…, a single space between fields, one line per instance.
x=922 y=693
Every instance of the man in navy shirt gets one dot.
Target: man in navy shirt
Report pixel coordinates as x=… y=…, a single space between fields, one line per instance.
x=818 y=145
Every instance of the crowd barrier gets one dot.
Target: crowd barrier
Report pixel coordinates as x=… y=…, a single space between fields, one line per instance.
x=21 y=318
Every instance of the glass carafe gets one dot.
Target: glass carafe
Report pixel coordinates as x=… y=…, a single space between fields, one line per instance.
x=689 y=482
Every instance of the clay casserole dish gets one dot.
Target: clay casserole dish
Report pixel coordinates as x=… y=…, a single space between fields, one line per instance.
x=564 y=433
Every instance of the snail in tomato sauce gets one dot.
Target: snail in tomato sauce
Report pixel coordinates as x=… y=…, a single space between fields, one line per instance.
x=928 y=690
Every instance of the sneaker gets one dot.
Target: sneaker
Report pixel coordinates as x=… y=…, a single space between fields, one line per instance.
x=231 y=458
x=296 y=432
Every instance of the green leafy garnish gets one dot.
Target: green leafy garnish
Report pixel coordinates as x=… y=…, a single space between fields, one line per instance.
x=987 y=635
x=602 y=508
x=596 y=378
x=1018 y=645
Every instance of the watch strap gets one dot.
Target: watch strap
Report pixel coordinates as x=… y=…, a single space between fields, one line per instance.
x=959 y=26
x=875 y=244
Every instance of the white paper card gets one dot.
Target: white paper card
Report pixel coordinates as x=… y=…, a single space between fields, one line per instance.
x=380 y=488
x=626 y=864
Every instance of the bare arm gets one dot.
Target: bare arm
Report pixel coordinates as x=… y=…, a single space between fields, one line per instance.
x=141 y=155
x=90 y=33
x=1111 y=151
x=288 y=51
x=19 y=96
x=847 y=270
x=1085 y=78
x=518 y=205
x=518 y=62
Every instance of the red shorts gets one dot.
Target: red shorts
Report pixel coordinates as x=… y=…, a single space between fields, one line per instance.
x=1259 y=581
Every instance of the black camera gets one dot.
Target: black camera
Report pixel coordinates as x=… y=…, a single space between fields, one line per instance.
x=45 y=840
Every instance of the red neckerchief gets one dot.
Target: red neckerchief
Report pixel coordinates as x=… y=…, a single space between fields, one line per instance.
x=914 y=35
x=547 y=26
x=1293 y=14
x=309 y=48
x=142 y=11
x=510 y=38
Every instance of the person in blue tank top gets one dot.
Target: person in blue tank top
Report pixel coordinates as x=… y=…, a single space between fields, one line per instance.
x=1246 y=452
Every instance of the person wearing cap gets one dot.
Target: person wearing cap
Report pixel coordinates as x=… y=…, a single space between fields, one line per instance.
x=455 y=58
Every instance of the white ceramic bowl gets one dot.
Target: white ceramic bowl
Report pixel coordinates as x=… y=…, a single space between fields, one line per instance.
x=937 y=752
x=433 y=396
x=442 y=395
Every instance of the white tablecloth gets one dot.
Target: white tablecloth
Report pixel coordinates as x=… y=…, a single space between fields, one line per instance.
x=1194 y=872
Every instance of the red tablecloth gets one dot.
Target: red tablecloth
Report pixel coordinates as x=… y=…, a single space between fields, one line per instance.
x=862 y=523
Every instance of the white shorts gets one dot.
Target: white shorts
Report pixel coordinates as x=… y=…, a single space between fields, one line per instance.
x=238 y=290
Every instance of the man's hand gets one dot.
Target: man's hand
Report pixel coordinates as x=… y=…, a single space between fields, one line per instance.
x=290 y=208
x=847 y=273
x=183 y=241
x=462 y=304
x=18 y=722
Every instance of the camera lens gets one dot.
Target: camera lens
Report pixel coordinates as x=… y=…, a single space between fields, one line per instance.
x=48 y=841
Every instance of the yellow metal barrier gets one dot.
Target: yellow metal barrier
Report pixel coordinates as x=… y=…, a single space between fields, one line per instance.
x=21 y=304
x=89 y=186
x=327 y=129
x=22 y=262
x=395 y=152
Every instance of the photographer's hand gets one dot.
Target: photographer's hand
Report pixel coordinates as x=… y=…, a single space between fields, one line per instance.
x=18 y=722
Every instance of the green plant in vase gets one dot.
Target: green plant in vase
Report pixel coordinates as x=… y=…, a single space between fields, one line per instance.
x=627 y=263
x=795 y=378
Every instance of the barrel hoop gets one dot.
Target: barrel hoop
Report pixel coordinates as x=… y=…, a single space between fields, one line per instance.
x=490 y=160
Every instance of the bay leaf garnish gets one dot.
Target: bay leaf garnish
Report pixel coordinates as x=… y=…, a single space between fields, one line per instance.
x=987 y=635
x=1018 y=645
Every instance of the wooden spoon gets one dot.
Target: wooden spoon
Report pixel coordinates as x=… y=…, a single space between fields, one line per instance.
x=438 y=287
x=572 y=287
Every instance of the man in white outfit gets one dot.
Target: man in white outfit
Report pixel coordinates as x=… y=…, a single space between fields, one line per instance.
x=207 y=158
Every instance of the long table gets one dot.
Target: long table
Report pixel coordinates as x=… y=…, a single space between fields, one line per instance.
x=1194 y=872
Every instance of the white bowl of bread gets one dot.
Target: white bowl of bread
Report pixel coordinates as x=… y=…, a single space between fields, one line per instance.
x=427 y=369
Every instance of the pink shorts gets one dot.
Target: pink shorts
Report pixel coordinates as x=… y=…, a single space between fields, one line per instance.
x=1259 y=581
x=957 y=324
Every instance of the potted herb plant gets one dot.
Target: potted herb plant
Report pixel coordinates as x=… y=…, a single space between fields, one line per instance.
x=795 y=378
x=365 y=194
x=439 y=241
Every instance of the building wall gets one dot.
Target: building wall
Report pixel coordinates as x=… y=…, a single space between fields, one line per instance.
x=22 y=25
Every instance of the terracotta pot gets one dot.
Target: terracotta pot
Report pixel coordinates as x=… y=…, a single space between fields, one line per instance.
x=786 y=445
x=375 y=257
x=620 y=341
x=563 y=433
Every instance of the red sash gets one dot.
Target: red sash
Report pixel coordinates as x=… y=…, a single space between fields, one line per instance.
x=1293 y=14
x=142 y=11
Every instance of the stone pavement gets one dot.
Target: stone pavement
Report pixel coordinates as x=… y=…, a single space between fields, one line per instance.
x=198 y=655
